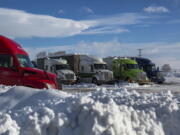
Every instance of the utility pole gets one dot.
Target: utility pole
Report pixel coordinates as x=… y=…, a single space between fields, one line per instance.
x=140 y=52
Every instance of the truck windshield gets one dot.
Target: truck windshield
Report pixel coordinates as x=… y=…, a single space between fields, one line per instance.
x=24 y=60
x=60 y=67
x=150 y=68
x=100 y=66
x=132 y=66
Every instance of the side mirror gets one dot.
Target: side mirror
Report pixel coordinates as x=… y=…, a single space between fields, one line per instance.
x=92 y=68
x=34 y=64
x=124 y=67
x=157 y=68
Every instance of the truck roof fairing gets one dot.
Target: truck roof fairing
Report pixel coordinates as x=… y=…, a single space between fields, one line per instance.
x=9 y=46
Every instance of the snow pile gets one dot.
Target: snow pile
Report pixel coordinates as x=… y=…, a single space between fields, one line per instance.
x=26 y=111
x=173 y=77
x=7 y=125
x=4 y=88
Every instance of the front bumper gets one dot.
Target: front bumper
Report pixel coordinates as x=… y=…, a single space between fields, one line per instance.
x=157 y=80
x=106 y=81
x=68 y=82
x=144 y=82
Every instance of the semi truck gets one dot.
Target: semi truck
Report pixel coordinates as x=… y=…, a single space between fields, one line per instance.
x=126 y=69
x=88 y=68
x=58 y=66
x=149 y=67
x=17 y=69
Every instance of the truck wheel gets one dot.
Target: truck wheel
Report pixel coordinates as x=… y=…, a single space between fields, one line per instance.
x=160 y=82
x=128 y=79
x=95 y=81
x=77 y=80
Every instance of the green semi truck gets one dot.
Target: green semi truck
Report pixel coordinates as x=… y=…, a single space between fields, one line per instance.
x=127 y=70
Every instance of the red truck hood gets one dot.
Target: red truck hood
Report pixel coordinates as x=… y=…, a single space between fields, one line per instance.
x=40 y=73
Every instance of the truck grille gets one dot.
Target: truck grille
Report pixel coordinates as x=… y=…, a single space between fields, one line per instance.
x=108 y=76
x=70 y=76
x=142 y=76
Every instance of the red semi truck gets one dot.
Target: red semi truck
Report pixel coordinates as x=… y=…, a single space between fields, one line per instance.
x=17 y=69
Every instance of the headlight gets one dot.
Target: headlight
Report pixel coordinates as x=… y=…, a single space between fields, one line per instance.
x=49 y=86
x=142 y=76
x=61 y=76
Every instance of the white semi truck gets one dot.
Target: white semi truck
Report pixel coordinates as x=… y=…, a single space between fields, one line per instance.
x=89 y=69
x=58 y=66
x=62 y=69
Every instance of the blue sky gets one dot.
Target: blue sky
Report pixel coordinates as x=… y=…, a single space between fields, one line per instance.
x=97 y=27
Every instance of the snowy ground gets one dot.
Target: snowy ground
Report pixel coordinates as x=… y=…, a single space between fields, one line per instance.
x=121 y=109
x=172 y=84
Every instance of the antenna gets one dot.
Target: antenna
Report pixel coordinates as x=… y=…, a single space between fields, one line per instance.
x=140 y=52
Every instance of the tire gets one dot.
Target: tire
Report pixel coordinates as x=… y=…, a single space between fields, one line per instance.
x=160 y=82
x=77 y=80
x=129 y=80
x=95 y=81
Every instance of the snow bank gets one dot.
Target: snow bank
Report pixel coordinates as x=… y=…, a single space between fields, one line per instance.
x=173 y=77
x=7 y=125
x=26 y=111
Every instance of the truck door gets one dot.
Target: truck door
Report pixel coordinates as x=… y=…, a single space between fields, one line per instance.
x=9 y=75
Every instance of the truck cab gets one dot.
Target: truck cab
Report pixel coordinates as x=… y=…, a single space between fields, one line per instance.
x=94 y=69
x=62 y=69
x=128 y=70
x=149 y=67
x=17 y=69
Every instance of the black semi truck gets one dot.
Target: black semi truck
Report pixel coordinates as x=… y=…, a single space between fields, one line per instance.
x=149 y=67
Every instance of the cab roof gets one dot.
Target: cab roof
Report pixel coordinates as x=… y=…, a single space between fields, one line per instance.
x=143 y=61
x=9 y=46
x=124 y=61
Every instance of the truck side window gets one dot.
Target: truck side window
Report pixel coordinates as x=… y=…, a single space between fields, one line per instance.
x=6 y=60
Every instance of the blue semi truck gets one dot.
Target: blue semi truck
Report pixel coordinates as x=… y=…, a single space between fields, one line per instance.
x=149 y=67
